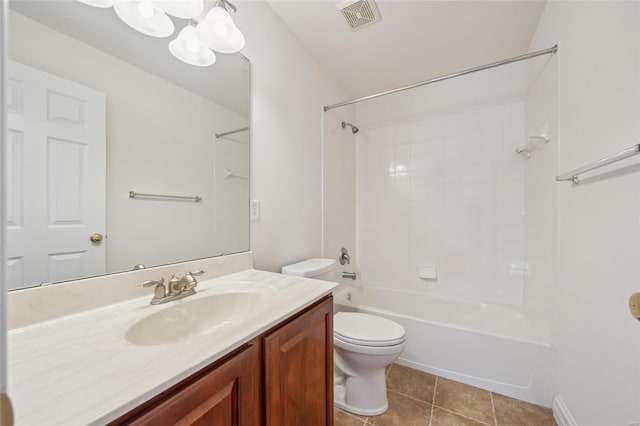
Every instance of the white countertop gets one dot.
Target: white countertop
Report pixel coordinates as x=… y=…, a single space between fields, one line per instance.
x=80 y=369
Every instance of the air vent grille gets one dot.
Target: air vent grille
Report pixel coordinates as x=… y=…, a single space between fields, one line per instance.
x=359 y=13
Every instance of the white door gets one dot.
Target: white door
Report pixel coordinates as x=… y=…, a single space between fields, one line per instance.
x=56 y=160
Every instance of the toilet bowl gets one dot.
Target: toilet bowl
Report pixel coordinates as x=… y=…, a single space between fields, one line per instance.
x=364 y=345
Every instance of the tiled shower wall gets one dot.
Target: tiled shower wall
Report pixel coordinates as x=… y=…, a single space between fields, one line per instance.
x=444 y=192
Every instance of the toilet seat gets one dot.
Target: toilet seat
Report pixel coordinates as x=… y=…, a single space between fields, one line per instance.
x=362 y=329
x=340 y=344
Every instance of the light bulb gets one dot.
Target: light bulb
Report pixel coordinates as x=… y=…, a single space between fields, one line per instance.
x=142 y=16
x=145 y=8
x=188 y=48
x=218 y=32
x=193 y=46
x=221 y=28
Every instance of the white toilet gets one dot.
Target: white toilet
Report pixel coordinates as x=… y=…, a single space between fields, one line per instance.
x=364 y=345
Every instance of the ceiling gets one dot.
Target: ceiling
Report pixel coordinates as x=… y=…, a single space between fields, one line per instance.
x=414 y=41
x=226 y=82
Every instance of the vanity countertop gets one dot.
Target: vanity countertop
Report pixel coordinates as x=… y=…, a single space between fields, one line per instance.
x=80 y=369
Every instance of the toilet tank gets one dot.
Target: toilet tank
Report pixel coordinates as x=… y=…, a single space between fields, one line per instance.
x=321 y=269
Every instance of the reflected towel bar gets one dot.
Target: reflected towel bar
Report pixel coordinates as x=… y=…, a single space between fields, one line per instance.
x=228 y=174
x=231 y=132
x=133 y=194
x=625 y=153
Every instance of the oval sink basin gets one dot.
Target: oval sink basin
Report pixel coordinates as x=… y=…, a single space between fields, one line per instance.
x=193 y=318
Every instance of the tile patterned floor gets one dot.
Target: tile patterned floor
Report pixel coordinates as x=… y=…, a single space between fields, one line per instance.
x=422 y=399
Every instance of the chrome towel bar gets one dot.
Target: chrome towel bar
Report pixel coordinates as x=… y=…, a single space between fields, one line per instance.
x=625 y=153
x=133 y=194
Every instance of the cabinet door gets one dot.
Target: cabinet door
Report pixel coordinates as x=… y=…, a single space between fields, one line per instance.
x=299 y=370
x=227 y=395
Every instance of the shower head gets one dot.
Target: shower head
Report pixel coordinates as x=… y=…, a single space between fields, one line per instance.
x=354 y=129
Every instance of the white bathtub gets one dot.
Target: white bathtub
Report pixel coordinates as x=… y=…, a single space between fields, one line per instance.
x=496 y=347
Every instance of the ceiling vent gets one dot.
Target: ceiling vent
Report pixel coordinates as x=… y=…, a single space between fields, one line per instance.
x=359 y=13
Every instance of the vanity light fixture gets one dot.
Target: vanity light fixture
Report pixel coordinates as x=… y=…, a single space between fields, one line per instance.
x=188 y=48
x=217 y=30
x=185 y=9
x=143 y=16
x=104 y=4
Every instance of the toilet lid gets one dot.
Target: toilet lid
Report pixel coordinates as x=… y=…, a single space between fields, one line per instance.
x=367 y=330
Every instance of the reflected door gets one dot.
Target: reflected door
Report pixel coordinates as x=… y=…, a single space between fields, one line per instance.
x=56 y=153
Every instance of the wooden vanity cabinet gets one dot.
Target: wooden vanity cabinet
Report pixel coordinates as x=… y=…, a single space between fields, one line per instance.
x=226 y=395
x=298 y=376
x=282 y=378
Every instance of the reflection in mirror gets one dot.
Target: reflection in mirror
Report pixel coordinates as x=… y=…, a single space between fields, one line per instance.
x=96 y=110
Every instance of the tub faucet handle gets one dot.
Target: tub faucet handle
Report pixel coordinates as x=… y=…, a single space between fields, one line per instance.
x=344 y=256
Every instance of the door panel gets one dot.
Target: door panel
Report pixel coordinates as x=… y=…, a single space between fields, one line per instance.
x=57 y=178
x=299 y=370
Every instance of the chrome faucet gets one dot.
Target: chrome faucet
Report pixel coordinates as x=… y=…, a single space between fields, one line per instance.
x=177 y=288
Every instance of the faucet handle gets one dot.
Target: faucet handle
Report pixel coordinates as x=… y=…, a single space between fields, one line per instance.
x=151 y=282
x=189 y=279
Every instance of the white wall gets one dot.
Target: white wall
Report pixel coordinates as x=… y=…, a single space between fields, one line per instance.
x=541 y=219
x=597 y=342
x=289 y=90
x=159 y=140
x=339 y=189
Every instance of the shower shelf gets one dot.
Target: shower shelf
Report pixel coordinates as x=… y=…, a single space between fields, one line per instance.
x=533 y=142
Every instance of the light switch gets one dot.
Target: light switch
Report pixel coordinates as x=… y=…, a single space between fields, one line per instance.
x=254 y=210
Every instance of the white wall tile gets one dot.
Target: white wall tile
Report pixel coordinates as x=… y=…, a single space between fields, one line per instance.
x=459 y=204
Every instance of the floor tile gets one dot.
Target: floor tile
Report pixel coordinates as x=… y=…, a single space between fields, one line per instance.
x=441 y=417
x=403 y=411
x=410 y=382
x=511 y=411
x=464 y=399
x=342 y=418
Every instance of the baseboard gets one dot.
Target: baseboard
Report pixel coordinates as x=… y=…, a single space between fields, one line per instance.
x=561 y=413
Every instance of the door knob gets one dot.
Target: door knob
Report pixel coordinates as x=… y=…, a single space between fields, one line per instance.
x=634 y=305
x=95 y=237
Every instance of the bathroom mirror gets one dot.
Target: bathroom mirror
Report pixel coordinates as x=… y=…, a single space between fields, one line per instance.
x=99 y=115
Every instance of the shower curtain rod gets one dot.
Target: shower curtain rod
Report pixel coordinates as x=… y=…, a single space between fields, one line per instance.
x=551 y=50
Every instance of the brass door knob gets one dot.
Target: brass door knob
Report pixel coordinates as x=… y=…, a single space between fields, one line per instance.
x=95 y=237
x=634 y=305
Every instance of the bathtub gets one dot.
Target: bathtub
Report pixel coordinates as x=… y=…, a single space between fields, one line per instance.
x=496 y=347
